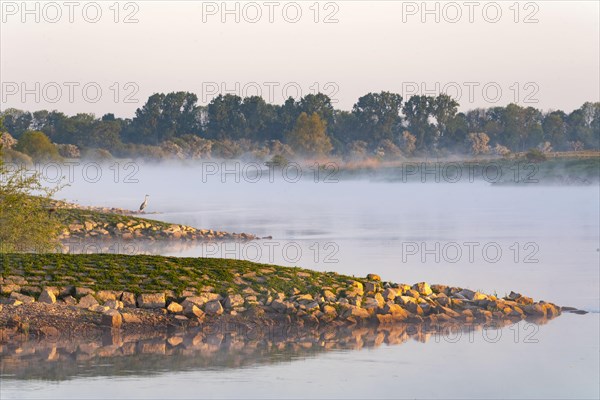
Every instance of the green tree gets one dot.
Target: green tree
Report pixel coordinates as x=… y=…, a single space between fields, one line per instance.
x=417 y=111
x=26 y=223
x=38 y=146
x=308 y=136
x=378 y=115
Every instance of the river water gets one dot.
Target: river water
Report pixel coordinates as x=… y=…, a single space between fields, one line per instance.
x=542 y=241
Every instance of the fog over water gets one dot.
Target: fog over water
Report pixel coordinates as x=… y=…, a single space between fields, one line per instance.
x=540 y=240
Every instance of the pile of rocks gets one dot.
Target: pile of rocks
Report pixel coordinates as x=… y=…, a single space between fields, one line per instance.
x=144 y=230
x=356 y=303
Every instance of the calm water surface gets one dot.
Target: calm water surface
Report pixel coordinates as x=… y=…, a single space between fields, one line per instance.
x=539 y=240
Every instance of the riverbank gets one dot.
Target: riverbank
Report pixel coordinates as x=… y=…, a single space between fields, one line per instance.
x=58 y=295
x=117 y=224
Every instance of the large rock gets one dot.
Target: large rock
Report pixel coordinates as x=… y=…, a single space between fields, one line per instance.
x=213 y=307
x=397 y=312
x=329 y=295
x=87 y=301
x=9 y=288
x=467 y=294
x=374 y=277
x=47 y=297
x=356 y=287
x=128 y=299
x=389 y=294
x=112 y=318
x=151 y=300
x=83 y=291
x=114 y=304
x=370 y=287
x=22 y=298
x=199 y=301
x=106 y=295
x=282 y=306
x=423 y=288
x=191 y=310
x=234 y=300
x=175 y=308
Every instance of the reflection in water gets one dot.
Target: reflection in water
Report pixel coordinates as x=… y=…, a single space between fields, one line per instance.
x=220 y=347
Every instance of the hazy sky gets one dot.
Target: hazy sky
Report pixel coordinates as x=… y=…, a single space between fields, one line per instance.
x=548 y=58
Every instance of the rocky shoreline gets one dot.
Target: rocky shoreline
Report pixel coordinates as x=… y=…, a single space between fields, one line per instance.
x=75 y=311
x=117 y=224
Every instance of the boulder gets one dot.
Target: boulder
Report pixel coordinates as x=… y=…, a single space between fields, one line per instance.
x=467 y=294
x=174 y=308
x=70 y=300
x=374 y=277
x=128 y=299
x=22 y=298
x=47 y=297
x=83 y=291
x=370 y=287
x=151 y=300
x=9 y=288
x=98 y=308
x=234 y=300
x=397 y=312
x=389 y=294
x=112 y=318
x=423 y=288
x=87 y=301
x=479 y=296
x=357 y=287
x=106 y=295
x=199 y=301
x=329 y=295
x=371 y=303
x=439 y=289
x=114 y=304
x=191 y=310
x=282 y=306
x=213 y=307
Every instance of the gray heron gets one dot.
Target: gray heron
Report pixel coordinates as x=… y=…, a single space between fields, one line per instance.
x=144 y=204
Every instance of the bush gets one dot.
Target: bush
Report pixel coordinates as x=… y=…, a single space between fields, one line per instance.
x=38 y=146
x=97 y=155
x=535 y=155
x=15 y=157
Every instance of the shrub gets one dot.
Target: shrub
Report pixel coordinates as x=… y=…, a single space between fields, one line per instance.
x=38 y=146
x=535 y=155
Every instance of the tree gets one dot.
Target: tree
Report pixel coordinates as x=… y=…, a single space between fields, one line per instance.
x=554 y=126
x=308 y=136
x=26 y=224
x=378 y=116
x=443 y=109
x=226 y=119
x=38 y=146
x=417 y=111
x=165 y=116
x=317 y=103
x=16 y=122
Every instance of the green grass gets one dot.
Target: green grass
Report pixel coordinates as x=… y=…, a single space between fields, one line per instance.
x=146 y=273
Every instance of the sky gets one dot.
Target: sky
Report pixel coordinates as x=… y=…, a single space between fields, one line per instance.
x=100 y=57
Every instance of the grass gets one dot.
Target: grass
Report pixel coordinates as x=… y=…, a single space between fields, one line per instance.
x=147 y=273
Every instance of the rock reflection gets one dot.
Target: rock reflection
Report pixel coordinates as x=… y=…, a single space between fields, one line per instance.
x=222 y=347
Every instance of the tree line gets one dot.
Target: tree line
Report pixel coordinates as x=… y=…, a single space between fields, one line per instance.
x=381 y=124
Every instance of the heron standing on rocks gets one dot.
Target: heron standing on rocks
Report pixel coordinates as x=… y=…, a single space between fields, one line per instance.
x=144 y=204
